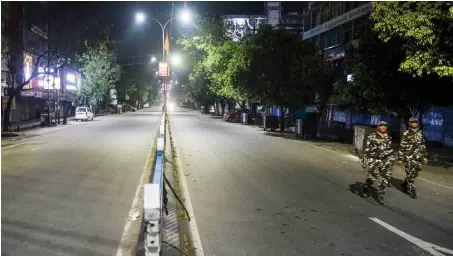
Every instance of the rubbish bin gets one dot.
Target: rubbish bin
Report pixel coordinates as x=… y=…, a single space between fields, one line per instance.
x=298 y=127
x=246 y=118
x=44 y=119
x=361 y=133
x=270 y=122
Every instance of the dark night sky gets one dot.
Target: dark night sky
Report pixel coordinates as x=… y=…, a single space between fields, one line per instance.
x=142 y=40
x=145 y=39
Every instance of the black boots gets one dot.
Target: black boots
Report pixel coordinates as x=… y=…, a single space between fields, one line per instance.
x=412 y=193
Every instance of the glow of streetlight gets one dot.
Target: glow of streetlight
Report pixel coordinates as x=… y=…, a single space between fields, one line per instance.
x=153 y=59
x=176 y=59
x=140 y=17
x=176 y=82
x=186 y=16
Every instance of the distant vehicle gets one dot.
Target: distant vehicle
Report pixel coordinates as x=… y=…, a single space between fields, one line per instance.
x=235 y=116
x=146 y=105
x=131 y=108
x=84 y=113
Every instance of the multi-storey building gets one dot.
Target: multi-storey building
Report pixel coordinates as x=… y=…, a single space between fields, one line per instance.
x=332 y=25
x=239 y=26
x=25 y=25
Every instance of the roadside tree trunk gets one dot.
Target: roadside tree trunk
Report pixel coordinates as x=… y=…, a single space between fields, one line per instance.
x=216 y=107
x=12 y=92
x=282 y=118
x=206 y=108
x=7 y=119
x=223 y=105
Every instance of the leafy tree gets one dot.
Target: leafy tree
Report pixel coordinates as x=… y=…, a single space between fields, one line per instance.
x=153 y=95
x=279 y=67
x=100 y=71
x=425 y=29
x=198 y=88
x=211 y=52
x=378 y=86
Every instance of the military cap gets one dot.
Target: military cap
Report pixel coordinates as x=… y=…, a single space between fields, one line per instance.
x=382 y=123
x=413 y=120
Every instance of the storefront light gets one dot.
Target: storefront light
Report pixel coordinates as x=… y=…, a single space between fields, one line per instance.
x=70 y=77
x=71 y=87
x=40 y=70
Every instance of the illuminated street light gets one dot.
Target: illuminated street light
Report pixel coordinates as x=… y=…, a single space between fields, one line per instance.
x=186 y=16
x=176 y=59
x=176 y=82
x=140 y=17
x=153 y=59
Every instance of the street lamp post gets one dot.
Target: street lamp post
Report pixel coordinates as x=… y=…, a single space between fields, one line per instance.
x=140 y=17
x=163 y=34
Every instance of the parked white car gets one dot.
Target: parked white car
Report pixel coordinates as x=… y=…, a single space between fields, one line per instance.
x=84 y=113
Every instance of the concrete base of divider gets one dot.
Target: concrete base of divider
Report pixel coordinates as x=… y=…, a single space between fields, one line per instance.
x=153 y=199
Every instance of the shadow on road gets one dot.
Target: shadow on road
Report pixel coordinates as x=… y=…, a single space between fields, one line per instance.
x=357 y=188
x=215 y=117
x=396 y=183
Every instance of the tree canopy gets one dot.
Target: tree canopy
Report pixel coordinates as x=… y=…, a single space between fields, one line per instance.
x=425 y=29
x=100 y=72
x=377 y=84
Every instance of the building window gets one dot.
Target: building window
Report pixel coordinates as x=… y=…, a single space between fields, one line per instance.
x=325 y=13
x=335 y=10
x=316 y=18
x=307 y=22
x=347 y=32
x=324 y=40
x=335 y=36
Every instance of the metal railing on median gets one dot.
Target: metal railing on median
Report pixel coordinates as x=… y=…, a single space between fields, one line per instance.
x=154 y=198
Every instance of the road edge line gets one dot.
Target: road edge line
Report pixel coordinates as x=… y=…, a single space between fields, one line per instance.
x=192 y=243
x=14 y=145
x=130 y=238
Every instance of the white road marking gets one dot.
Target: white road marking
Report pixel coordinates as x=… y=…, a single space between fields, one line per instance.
x=432 y=182
x=15 y=145
x=429 y=247
x=188 y=203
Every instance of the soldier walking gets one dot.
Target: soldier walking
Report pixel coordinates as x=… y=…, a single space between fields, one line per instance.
x=378 y=160
x=413 y=152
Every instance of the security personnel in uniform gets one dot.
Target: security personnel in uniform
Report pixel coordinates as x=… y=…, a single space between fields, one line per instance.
x=378 y=160
x=413 y=152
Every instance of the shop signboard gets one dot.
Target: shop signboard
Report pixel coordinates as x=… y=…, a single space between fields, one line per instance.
x=36 y=94
x=342 y=19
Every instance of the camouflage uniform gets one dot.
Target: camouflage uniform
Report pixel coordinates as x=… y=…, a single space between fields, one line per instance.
x=412 y=151
x=379 y=159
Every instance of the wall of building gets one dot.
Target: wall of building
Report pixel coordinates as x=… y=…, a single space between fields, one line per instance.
x=333 y=23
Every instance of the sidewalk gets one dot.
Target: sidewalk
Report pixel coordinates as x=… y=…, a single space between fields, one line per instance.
x=441 y=157
x=25 y=125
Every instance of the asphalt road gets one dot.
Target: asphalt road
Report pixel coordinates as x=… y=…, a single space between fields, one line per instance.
x=255 y=194
x=69 y=192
